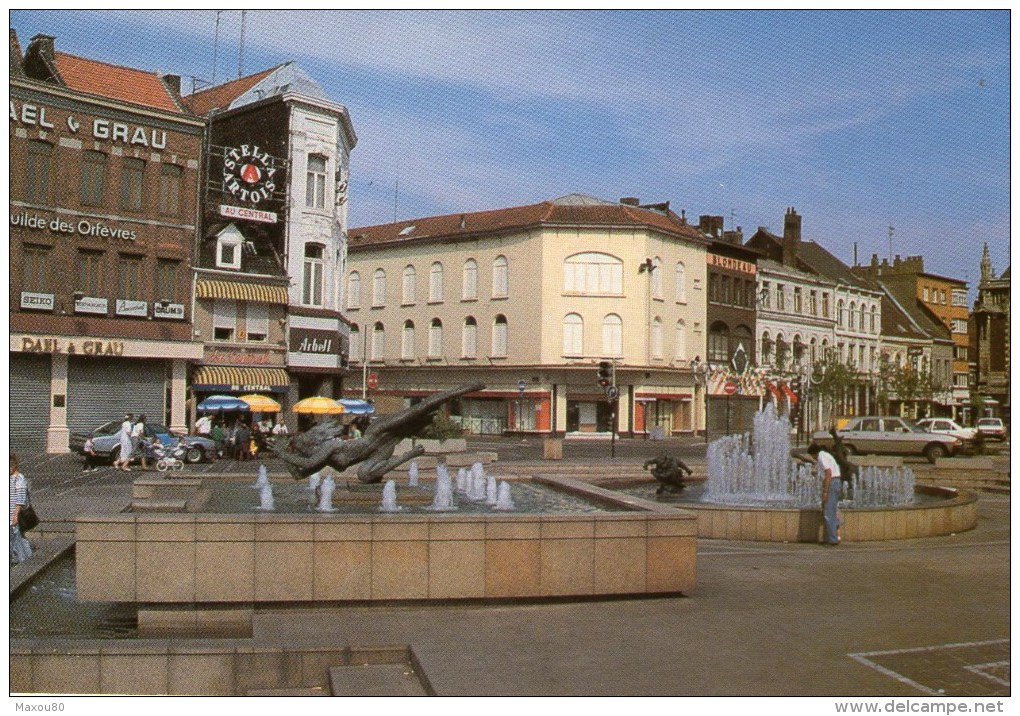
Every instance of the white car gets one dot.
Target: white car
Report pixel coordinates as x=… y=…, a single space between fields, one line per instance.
x=992 y=428
x=945 y=426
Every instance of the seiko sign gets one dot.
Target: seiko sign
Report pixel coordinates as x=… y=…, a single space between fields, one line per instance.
x=37 y=301
x=168 y=310
x=89 y=304
x=248 y=173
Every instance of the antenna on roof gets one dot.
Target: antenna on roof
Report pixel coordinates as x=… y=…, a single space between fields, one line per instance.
x=396 y=193
x=216 y=45
x=891 y=231
x=240 y=49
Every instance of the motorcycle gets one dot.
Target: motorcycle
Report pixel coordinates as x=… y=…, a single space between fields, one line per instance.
x=169 y=457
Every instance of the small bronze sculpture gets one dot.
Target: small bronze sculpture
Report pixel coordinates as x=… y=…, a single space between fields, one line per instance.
x=669 y=471
x=321 y=445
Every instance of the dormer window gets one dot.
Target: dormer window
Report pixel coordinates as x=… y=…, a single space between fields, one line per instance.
x=228 y=248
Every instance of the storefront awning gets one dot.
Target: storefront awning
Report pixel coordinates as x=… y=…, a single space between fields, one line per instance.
x=254 y=292
x=233 y=379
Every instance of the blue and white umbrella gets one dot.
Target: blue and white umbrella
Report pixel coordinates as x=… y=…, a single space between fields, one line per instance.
x=353 y=406
x=222 y=402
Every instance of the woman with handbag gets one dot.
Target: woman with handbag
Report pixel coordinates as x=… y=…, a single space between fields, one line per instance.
x=20 y=548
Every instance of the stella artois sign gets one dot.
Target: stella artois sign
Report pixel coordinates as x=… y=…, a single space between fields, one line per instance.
x=248 y=173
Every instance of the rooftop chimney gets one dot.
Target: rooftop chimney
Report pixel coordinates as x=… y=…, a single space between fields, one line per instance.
x=630 y=201
x=711 y=225
x=791 y=236
x=173 y=83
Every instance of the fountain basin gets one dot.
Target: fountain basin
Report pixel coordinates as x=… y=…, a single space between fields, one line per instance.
x=937 y=512
x=183 y=559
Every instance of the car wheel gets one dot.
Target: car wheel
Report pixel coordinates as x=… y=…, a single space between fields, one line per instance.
x=934 y=452
x=194 y=454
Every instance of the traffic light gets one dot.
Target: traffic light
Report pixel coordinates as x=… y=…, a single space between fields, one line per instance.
x=605 y=373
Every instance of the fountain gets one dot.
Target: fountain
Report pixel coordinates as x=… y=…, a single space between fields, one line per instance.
x=443 y=501
x=266 y=498
x=389 y=497
x=462 y=480
x=263 y=478
x=504 y=503
x=412 y=475
x=490 y=490
x=758 y=471
x=326 y=495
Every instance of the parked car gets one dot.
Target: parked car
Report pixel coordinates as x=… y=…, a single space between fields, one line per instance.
x=992 y=428
x=106 y=439
x=945 y=426
x=890 y=435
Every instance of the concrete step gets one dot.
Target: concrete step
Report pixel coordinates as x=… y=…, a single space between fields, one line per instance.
x=375 y=680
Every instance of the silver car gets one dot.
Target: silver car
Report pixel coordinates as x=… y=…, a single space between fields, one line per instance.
x=890 y=435
x=945 y=426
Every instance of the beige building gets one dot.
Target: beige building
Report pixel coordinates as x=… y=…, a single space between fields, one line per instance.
x=528 y=300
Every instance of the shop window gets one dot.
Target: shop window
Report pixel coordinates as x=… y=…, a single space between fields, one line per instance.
x=93 y=178
x=37 y=172
x=131 y=178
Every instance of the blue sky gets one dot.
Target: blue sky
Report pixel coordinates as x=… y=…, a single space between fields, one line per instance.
x=860 y=120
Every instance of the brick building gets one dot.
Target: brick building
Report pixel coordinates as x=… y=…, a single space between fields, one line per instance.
x=103 y=215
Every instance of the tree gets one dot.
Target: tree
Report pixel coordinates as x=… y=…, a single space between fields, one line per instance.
x=836 y=377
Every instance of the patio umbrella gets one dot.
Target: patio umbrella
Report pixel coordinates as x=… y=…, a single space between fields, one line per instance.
x=222 y=402
x=261 y=404
x=318 y=405
x=354 y=406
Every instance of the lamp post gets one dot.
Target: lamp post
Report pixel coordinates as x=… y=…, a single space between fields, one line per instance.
x=701 y=371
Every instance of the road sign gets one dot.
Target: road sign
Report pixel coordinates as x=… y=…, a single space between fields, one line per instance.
x=373 y=380
x=730 y=387
x=612 y=392
x=521 y=385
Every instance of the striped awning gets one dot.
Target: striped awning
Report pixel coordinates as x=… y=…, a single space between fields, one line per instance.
x=254 y=292
x=236 y=379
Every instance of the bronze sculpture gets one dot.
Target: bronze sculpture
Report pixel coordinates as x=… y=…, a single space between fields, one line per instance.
x=322 y=446
x=669 y=471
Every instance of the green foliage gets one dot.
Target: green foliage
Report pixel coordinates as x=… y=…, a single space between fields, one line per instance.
x=441 y=428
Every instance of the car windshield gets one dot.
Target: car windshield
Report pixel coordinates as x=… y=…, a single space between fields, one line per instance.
x=901 y=425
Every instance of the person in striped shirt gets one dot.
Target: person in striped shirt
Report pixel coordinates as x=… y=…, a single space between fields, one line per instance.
x=20 y=548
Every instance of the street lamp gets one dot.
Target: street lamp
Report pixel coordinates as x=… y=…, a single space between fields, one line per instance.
x=701 y=371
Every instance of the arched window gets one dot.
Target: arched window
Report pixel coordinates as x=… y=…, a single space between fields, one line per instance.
x=813 y=350
x=379 y=288
x=860 y=319
x=798 y=350
x=782 y=352
x=680 y=350
x=874 y=319
x=573 y=335
x=407 y=341
x=378 y=341
x=354 y=290
x=766 y=348
x=436 y=283
x=681 y=283
x=826 y=349
x=469 y=340
x=612 y=335
x=499 y=336
x=470 y=280
x=742 y=337
x=593 y=274
x=657 y=338
x=500 y=277
x=840 y=310
x=409 y=286
x=37 y=173
x=851 y=318
x=436 y=338
x=656 y=278
x=357 y=348
x=719 y=343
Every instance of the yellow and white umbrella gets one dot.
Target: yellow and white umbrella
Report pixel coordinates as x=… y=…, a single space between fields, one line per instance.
x=261 y=403
x=318 y=405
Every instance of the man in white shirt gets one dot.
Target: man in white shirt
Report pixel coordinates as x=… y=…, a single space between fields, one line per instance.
x=832 y=487
x=203 y=426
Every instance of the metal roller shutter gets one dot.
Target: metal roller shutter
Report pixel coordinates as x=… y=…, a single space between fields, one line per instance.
x=30 y=402
x=103 y=389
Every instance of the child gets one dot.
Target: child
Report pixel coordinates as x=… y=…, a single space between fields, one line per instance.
x=89 y=450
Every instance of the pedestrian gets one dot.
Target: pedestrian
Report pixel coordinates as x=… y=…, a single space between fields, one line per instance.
x=203 y=426
x=280 y=428
x=832 y=488
x=137 y=436
x=20 y=547
x=218 y=435
x=91 y=458
x=124 y=459
x=242 y=439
